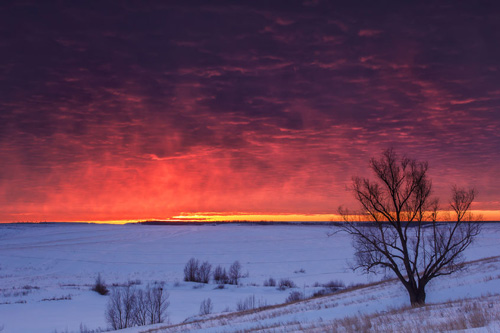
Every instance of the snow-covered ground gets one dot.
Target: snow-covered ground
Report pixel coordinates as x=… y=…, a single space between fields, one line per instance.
x=46 y=272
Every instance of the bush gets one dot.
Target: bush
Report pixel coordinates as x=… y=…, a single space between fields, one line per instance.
x=322 y=292
x=120 y=309
x=100 y=286
x=135 y=282
x=191 y=270
x=235 y=272
x=334 y=285
x=286 y=284
x=329 y=287
x=129 y=307
x=220 y=275
x=270 y=282
x=246 y=304
x=294 y=296
x=194 y=272
x=157 y=304
x=203 y=273
x=206 y=307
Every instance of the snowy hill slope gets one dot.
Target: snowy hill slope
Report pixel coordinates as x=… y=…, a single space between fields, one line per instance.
x=469 y=299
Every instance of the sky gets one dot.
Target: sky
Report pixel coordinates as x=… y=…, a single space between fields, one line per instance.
x=116 y=111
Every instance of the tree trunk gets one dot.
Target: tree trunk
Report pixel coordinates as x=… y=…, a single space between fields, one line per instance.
x=417 y=296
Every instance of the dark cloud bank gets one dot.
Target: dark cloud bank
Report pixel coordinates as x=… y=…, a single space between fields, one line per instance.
x=113 y=110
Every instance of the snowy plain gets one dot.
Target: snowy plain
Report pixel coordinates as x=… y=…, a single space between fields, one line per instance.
x=46 y=272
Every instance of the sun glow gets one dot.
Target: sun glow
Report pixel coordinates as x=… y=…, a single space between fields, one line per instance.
x=211 y=217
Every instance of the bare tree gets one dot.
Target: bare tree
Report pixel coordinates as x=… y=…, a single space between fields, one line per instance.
x=203 y=273
x=206 y=307
x=220 y=275
x=235 y=272
x=191 y=270
x=120 y=309
x=129 y=307
x=401 y=238
x=158 y=303
x=142 y=301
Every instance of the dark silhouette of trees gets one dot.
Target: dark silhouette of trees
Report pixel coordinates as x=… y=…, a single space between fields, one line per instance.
x=203 y=274
x=100 y=286
x=235 y=273
x=404 y=235
x=128 y=307
x=220 y=275
x=191 y=270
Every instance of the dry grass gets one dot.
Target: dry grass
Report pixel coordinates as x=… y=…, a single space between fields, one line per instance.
x=450 y=316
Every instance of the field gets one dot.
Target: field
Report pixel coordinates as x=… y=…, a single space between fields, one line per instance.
x=47 y=270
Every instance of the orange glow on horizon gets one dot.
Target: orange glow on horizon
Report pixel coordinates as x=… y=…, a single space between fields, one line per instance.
x=488 y=215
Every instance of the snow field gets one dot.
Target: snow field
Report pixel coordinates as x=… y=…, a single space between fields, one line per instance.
x=46 y=272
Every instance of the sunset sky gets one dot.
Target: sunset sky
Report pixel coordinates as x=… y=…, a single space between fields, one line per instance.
x=114 y=110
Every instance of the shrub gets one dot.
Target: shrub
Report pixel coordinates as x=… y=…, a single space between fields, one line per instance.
x=329 y=287
x=322 y=292
x=157 y=303
x=121 y=307
x=286 y=284
x=135 y=282
x=334 y=285
x=142 y=299
x=235 y=272
x=294 y=296
x=100 y=286
x=220 y=275
x=191 y=270
x=206 y=307
x=203 y=273
x=270 y=282
x=129 y=307
x=246 y=304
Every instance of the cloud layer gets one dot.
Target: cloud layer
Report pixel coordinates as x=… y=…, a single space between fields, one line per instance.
x=147 y=110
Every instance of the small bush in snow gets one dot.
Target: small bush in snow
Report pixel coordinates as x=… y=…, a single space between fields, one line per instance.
x=135 y=282
x=334 y=285
x=220 y=275
x=235 y=272
x=329 y=287
x=246 y=304
x=203 y=273
x=286 y=284
x=294 y=296
x=322 y=292
x=206 y=307
x=100 y=286
x=191 y=270
x=270 y=282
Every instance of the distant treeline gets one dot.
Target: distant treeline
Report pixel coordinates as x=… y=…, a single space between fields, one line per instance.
x=319 y=223
x=296 y=223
